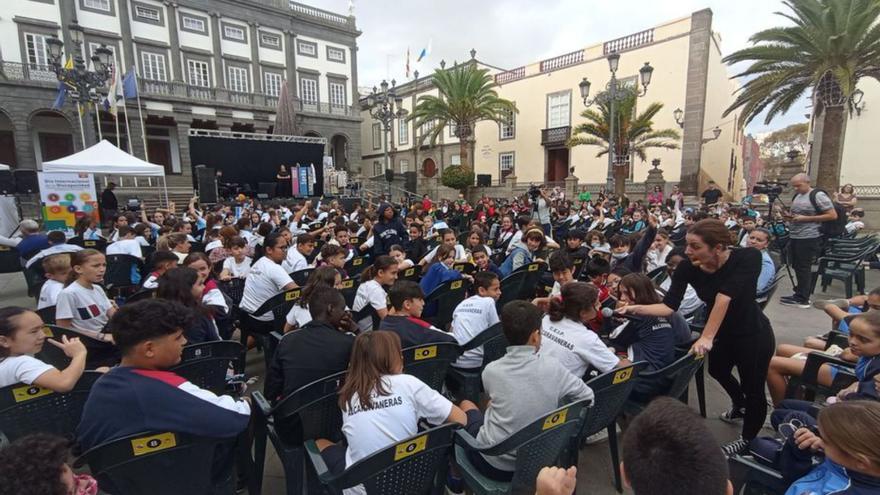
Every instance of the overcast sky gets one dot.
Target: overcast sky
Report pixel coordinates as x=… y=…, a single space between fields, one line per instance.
x=511 y=33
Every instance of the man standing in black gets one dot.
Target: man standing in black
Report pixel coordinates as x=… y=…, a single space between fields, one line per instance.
x=109 y=203
x=711 y=195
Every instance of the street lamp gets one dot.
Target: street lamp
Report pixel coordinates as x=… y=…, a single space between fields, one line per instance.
x=385 y=106
x=611 y=96
x=716 y=133
x=678 y=115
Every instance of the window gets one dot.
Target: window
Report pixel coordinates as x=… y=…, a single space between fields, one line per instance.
x=307 y=48
x=198 y=73
x=272 y=83
x=37 y=50
x=233 y=32
x=427 y=127
x=505 y=163
x=103 y=5
x=194 y=24
x=508 y=127
x=237 y=79
x=452 y=128
x=402 y=131
x=377 y=168
x=558 y=110
x=404 y=165
x=455 y=160
x=377 y=137
x=337 y=94
x=270 y=40
x=154 y=66
x=147 y=13
x=309 y=90
x=335 y=54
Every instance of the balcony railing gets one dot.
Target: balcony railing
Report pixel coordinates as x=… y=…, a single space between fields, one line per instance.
x=511 y=75
x=243 y=98
x=14 y=71
x=322 y=15
x=634 y=40
x=555 y=136
x=562 y=61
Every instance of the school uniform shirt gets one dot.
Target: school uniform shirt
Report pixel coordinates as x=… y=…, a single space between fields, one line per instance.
x=152 y=282
x=238 y=270
x=469 y=319
x=217 y=243
x=22 y=369
x=648 y=339
x=49 y=294
x=85 y=308
x=414 y=331
x=391 y=418
x=130 y=247
x=369 y=293
x=298 y=316
x=127 y=400
x=437 y=274
x=689 y=303
x=514 y=242
x=460 y=254
x=52 y=250
x=265 y=279
x=295 y=261
x=575 y=346
x=655 y=259
x=213 y=296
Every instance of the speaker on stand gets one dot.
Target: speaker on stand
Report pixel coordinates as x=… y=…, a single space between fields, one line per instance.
x=206 y=179
x=7 y=182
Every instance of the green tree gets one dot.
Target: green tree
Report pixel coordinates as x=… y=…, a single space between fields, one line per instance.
x=634 y=133
x=776 y=145
x=831 y=45
x=466 y=97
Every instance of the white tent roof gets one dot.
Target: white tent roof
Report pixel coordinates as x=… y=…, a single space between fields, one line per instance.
x=4 y=167
x=104 y=158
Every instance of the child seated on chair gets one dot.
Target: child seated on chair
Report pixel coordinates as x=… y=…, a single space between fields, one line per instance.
x=838 y=310
x=506 y=380
x=162 y=262
x=37 y=464
x=474 y=315
x=238 y=265
x=404 y=317
x=383 y=272
x=485 y=264
x=562 y=267
x=57 y=269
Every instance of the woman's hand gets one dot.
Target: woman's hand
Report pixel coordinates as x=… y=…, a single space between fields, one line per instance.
x=806 y=439
x=628 y=309
x=72 y=347
x=702 y=346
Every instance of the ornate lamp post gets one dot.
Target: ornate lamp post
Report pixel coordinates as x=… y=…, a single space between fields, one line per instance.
x=613 y=95
x=84 y=86
x=385 y=106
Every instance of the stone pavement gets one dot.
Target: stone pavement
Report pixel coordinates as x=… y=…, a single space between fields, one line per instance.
x=791 y=325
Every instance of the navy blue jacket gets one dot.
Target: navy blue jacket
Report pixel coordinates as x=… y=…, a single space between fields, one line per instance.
x=387 y=232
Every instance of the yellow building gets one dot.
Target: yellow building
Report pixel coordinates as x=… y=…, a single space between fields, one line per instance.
x=688 y=74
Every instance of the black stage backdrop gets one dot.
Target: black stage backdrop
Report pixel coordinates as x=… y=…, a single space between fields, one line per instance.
x=247 y=161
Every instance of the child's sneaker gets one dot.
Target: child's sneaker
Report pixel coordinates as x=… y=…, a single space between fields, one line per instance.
x=734 y=415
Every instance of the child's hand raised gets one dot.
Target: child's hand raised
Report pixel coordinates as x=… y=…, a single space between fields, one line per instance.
x=72 y=347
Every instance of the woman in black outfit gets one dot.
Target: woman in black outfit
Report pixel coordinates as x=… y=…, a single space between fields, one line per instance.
x=283 y=189
x=737 y=333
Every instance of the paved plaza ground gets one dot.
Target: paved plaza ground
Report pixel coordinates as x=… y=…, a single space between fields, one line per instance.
x=790 y=324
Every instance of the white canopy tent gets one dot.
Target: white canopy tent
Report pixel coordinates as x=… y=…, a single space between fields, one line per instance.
x=105 y=158
x=4 y=167
x=9 y=216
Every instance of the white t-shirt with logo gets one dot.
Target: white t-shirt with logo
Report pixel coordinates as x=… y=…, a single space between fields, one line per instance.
x=295 y=261
x=86 y=308
x=460 y=254
x=372 y=293
x=298 y=316
x=393 y=417
x=22 y=369
x=265 y=279
x=49 y=294
x=575 y=346
x=469 y=319
x=237 y=270
x=130 y=247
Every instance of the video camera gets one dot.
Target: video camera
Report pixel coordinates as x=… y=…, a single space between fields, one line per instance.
x=770 y=188
x=534 y=192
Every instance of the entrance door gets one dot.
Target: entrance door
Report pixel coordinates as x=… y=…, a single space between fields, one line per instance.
x=557 y=164
x=55 y=146
x=160 y=153
x=7 y=148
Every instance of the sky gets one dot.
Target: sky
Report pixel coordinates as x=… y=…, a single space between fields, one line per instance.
x=511 y=33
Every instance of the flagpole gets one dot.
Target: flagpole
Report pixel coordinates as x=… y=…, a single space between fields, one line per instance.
x=98 y=120
x=142 y=121
x=117 y=130
x=82 y=129
x=127 y=130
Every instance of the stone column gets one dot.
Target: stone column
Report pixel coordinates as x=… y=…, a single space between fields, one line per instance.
x=255 y=57
x=700 y=42
x=184 y=122
x=571 y=187
x=290 y=49
x=128 y=54
x=174 y=37
x=216 y=36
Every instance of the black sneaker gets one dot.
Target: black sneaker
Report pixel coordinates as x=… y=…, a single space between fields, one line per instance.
x=735 y=447
x=795 y=301
x=734 y=415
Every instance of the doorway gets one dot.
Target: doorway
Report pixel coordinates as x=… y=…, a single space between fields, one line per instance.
x=557 y=164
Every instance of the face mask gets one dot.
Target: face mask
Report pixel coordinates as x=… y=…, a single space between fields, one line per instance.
x=619 y=256
x=595 y=244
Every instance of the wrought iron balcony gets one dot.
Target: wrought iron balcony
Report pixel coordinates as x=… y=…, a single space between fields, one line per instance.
x=555 y=136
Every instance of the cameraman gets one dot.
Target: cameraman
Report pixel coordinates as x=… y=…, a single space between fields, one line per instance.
x=541 y=207
x=806 y=237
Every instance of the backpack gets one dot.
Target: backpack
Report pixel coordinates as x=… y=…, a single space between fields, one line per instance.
x=830 y=228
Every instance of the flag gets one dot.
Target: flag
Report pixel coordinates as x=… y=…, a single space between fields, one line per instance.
x=62 y=88
x=407 y=62
x=425 y=51
x=111 y=103
x=129 y=85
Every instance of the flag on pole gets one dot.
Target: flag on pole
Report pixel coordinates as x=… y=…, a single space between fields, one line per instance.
x=425 y=51
x=62 y=88
x=111 y=102
x=129 y=85
x=407 y=62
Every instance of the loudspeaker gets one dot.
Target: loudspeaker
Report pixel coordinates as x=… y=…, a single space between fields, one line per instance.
x=484 y=180
x=206 y=179
x=7 y=183
x=349 y=203
x=26 y=181
x=389 y=175
x=267 y=188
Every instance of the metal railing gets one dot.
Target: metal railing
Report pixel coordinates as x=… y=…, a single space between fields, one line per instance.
x=511 y=75
x=14 y=71
x=322 y=15
x=561 y=61
x=555 y=136
x=867 y=191
x=629 y=42
x=240 y=97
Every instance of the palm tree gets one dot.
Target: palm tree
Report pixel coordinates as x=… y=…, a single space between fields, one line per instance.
x=634 y=134
x=466 y=97
x=832 y=44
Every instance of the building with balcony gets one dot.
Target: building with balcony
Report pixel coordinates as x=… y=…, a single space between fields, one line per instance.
x=201 y=64
x=531 y=146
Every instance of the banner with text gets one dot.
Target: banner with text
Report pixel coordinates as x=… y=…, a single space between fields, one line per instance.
x=67 y=197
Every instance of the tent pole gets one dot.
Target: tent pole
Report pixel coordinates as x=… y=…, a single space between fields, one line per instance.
x=98 y=119
x=82 y=129
x=165 y=188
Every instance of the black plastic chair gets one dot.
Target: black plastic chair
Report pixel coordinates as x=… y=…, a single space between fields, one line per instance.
x=279 y=305
x=367 y=311
x=10 y=260
x=141 y=295
x=464 y=268
x=155 y=462
x=443 y=301
x=537 y=445
x=671 y=381
x=47 y=315
x=759 y=479
x=313 y=410
x=521 y=284
x=845 y=266
x=430 y=362
x=99 y=244
x=764 y=297
x=302 y=276
x=355 y=266
x=413 y=274
x=349 y=290
x=26 y=409
x=34 y=278
x=119 y=270
x=808 y=384
x=50 y=354
x=467 y=382
x=206 y=364
x=234 y=288
x=414 y=466
x=197 y=247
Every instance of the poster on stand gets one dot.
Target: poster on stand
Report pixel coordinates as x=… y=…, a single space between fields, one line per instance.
x=65 y=198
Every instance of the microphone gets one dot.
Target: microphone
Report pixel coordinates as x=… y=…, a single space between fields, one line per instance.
x=610 y=313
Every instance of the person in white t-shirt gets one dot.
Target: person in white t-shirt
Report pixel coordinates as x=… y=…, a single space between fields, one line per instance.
x=237 y=265
x=299 y=315
x=57 y=269
x=296 y=255
x=126 y=244
x=266 y=278
x=398 y=253
x=474 y=315
x=22 y=336
x=562 y=268
x=566 y=337
x=383 y=406
x=691 y=301
x=383 y=272
x=448 y=238
x=658 y=252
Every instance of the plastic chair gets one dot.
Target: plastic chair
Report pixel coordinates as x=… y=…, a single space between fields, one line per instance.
x=313 y=409
x=47 y=315
x=50 y=354
x=764 y=297
x=521 y=283
x=26 y=409
x=537 y=445
x=808 y=382
x=611 y=391
x=119 y=270
x=99 y=244
x=34 y=278
x=355 y=266
x=141 y=295
x=416 y=465
x=279 y=305
x=349 y=290
x=468 y=382
x=413 y=274
x=302 y=276
x=671 y=381
x=844 y=266
x=234 y=288
x=10 y=260
x=155 y=462
x=465 y=268
x=759 y=479
x=429 y=362
x=443 y=301
x=206 y=364
x=197 y=247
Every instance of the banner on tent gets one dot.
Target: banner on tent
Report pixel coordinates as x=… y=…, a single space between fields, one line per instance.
x=67 y=197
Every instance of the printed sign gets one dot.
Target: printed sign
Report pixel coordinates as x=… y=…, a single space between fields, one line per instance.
x=425 y=352
x=154 y=443
x=622 y=375
x=28 y=392
x=65 y=198
x=414 y=446
x=555 y=419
